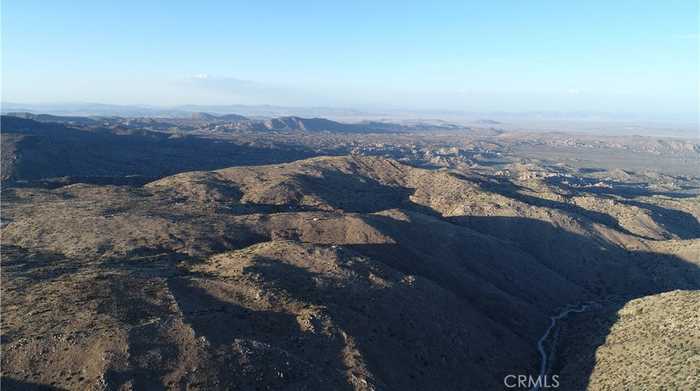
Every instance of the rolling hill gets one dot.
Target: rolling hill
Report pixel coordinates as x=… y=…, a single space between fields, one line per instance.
x=332 y=272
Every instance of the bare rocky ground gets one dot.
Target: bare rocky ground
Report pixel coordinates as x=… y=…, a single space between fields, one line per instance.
x=349 y=272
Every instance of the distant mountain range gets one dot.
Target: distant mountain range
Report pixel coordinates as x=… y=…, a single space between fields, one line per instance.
x=373 y=113
x=73 y=120
x=183 y=111
x=34 y=150
x=231 y=122
x=211 y=117
x=294 y=123
x=322 y=124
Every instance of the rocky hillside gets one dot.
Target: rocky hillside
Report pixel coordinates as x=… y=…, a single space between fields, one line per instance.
x=326 y=273
x=650 y=343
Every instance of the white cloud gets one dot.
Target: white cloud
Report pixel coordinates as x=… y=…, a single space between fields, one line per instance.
x=231 y=89
x=231 y=84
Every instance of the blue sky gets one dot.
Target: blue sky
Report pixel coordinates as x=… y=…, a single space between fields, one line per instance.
x=616 y=56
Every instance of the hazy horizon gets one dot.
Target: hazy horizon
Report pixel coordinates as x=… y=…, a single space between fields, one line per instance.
x=639 y=59
x=88 y=108
x=600 y=123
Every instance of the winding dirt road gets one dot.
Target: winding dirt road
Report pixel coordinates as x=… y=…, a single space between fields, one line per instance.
x=544 y=356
